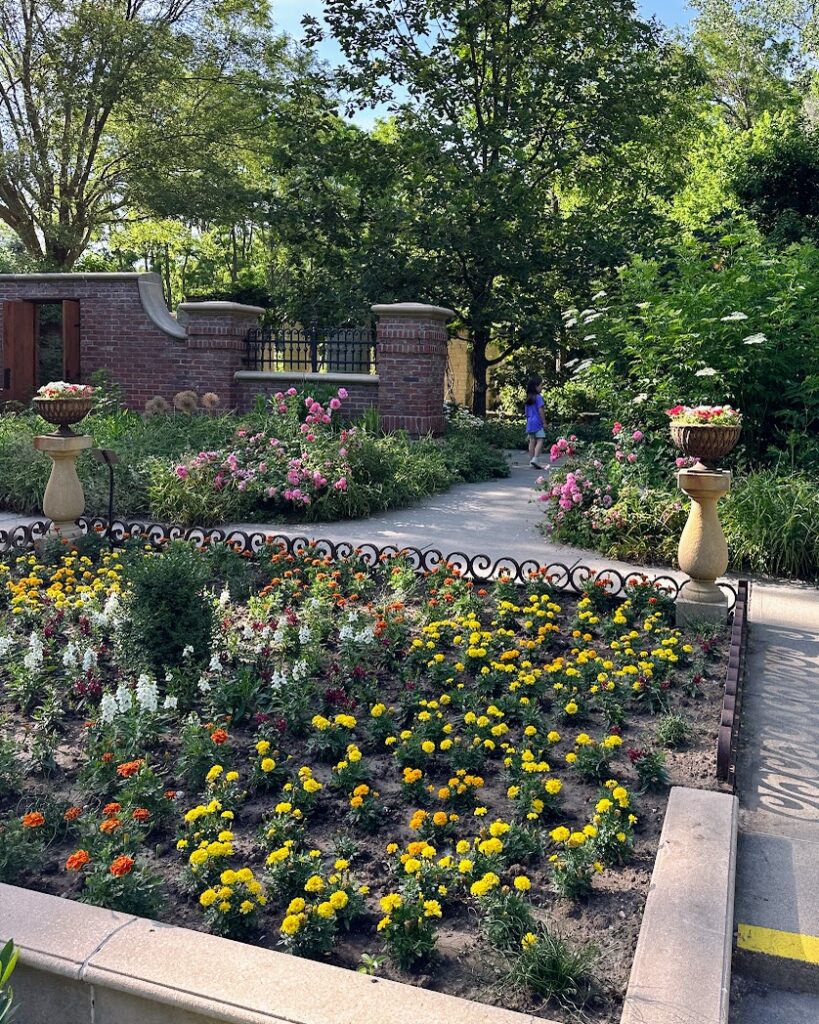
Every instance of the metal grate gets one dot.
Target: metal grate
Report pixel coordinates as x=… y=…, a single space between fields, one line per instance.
x=311 y=349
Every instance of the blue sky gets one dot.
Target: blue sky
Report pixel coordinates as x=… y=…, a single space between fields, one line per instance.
x=288 y=14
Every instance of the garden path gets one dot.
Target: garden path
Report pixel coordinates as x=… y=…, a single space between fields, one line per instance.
x=777 y=902
x=496 y=518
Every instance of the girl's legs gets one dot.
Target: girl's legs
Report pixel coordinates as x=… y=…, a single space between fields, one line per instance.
x=538 y=447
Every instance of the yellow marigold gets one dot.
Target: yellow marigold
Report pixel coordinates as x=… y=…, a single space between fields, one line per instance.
x=392 y=901
x=267 y=765
x=208 y=898
x=553 y=786
x=522 y=883
x=325 y=909
x=292 y=923
x=315 y=883
x=432 y=908
x=560 y=834
x=529 y=940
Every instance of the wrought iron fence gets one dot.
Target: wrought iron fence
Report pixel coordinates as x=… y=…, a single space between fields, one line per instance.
x=481 y=568
x=311 y=349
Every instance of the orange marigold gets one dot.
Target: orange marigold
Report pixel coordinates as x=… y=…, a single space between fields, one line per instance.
x=219 y=736
x=33 y=820
x=77 y=860
x=110 y=825
x=122 y=866
x=129 y=768
x=107 y=757
x=72 y=813
x=141 y=814
x=111 y=809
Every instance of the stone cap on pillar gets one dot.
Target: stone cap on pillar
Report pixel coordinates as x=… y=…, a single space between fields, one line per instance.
x=217 y=308
x=415 y=310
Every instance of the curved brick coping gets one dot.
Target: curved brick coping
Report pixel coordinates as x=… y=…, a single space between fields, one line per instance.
x=87 y=965
x=295 y=375
x=728 y=736
x=681 y=972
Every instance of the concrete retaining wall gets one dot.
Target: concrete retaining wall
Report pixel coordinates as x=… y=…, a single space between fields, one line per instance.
x=85 y=965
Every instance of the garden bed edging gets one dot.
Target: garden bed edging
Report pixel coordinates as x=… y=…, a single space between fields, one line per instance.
x=93 y=966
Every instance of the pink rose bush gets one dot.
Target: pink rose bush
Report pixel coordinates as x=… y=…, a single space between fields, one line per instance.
x=602 y=495
x=297 y=459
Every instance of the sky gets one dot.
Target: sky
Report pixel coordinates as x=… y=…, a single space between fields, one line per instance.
x=288 y=14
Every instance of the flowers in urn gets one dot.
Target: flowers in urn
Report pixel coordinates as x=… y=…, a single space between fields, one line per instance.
x=57 y=390
x=706 y=433
x=704 y=415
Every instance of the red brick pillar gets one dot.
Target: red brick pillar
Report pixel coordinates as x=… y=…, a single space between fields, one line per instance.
x=410 y=355
x=216 y=345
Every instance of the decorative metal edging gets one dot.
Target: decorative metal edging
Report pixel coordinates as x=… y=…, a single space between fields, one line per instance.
x=481 y=568
x=728 y=736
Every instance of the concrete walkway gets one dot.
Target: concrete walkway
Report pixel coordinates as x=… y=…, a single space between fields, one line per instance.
x=777 y=897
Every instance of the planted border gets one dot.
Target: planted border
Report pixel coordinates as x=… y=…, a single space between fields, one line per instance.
x=479 y=567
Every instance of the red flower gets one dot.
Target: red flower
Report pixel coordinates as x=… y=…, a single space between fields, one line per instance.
x=110 y=810
x=77 y=860
x=72 y=813
x=170 y=794
x=122 y=866
x=107 y=757
x=219 y=736
x=141 y=814
x=33 y=820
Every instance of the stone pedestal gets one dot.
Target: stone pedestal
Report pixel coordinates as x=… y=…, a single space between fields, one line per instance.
x=64 y=500
x=703 y=552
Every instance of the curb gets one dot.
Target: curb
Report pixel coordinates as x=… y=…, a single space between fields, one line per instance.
x=87 y=965
x=682 y=966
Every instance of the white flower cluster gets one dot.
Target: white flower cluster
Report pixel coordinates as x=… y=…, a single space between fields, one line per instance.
x=34 y=655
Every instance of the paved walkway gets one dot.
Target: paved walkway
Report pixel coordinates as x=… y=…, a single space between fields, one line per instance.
x=777 y=897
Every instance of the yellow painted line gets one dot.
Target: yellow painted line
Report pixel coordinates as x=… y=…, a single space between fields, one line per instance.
x=789 y=945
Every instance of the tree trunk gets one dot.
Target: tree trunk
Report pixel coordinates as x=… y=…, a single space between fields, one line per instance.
x=480 y=366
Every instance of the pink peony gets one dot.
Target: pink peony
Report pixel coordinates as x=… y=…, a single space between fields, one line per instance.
x=182 y=472
x=342 y=393
x=616 y=429
x=637 y=435
x=335 y=404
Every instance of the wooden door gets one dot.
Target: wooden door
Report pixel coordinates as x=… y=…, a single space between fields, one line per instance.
x=71 y=341
x=19 y=352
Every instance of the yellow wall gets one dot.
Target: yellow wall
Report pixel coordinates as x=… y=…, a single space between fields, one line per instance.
x=459 y=374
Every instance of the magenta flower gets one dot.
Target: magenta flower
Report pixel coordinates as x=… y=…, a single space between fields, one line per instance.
x=182 y=472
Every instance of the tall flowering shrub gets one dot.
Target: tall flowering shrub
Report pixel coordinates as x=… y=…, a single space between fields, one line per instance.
x=295 y=459
x=604 y=495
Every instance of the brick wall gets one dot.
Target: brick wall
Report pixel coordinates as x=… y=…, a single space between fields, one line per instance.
x=126 y=330
x=411 y=355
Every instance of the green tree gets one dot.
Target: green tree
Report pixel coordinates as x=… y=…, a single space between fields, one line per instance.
x=507 y=113
x=70 y=71
x=748 y=69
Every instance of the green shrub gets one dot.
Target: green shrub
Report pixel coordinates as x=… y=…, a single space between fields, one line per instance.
x=771 y=522
x=167 y=611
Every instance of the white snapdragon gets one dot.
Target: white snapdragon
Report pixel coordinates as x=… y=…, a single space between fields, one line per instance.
x=89 y=660
x=108 y=708
x=6 y=642
x=170 y=703
x=124 y=698
x=147 y=694
x=34 y=656
x=305 y=634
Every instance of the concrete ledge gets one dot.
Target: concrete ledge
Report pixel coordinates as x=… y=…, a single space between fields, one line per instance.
x=93 y=966
x=319 y=378
x=413 y=309
x=682 y=966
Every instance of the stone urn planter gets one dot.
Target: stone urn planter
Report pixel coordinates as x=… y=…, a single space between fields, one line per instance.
x=62 y=412
x=705 y=442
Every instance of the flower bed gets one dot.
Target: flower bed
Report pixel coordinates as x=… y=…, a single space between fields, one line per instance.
x=425 y=778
